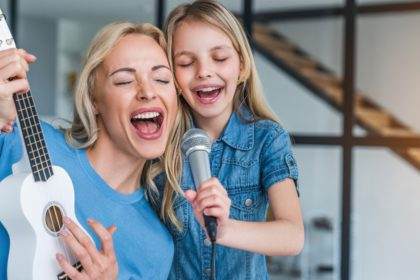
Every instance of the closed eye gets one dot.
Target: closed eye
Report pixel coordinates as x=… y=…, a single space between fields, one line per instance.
x=162 y=81
x=123 y=83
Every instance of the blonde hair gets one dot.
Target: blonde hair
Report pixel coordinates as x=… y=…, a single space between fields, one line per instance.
x=83 y=132
x=249 y=89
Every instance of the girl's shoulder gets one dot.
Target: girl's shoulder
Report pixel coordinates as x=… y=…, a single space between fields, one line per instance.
x=266 y=129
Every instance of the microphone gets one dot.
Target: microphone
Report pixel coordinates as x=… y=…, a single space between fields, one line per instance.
x=196 y=146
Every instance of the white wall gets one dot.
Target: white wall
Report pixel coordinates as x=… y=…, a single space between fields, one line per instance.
x=38 y=36
x=386 y=188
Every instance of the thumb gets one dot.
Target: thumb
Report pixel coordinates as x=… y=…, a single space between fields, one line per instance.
x=190 y=195
x=112 y=229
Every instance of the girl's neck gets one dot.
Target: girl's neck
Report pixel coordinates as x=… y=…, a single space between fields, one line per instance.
x=213 y=126
x=121 y=171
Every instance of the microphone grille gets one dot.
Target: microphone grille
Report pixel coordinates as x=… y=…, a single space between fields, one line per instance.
x=195 y=139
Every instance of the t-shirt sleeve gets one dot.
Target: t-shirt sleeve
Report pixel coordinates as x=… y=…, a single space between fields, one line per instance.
x=277 y=159
x=10 y=151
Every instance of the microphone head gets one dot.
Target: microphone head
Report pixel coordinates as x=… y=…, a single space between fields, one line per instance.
x=195 y=139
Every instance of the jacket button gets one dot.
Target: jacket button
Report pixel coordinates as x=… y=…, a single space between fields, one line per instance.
x=207 y=242
x=207 y=271
x=248 y=202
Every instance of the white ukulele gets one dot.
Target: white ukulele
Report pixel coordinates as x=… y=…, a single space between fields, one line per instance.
x=35 y=198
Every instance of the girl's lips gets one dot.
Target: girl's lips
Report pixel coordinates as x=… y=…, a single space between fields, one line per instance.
x=208 y=95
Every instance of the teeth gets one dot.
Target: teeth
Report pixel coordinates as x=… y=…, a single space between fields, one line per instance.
x=146 y=115
x=209 y=89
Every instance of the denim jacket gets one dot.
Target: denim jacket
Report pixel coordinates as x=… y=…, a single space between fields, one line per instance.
x=248 y=158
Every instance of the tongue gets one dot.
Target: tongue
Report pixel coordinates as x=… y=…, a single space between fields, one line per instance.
x=146 y=127
x=208 y=95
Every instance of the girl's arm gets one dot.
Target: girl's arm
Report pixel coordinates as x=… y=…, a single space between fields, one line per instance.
x=283 y=236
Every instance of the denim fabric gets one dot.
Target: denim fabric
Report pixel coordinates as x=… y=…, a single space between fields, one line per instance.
x=248 y=158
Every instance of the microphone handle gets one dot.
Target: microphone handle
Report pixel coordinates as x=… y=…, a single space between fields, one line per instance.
x=211 y=227
x=200 y=167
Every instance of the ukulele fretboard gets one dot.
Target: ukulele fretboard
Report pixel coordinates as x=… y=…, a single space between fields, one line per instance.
x=33 y=137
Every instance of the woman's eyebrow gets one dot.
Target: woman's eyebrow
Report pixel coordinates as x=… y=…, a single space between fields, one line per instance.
x=123 y=69
x=157 y=67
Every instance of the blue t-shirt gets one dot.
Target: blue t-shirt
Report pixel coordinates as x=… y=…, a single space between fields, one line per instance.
x=248 y=158
x=143 y=246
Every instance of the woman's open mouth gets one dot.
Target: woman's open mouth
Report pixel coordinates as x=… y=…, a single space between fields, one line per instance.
x=148 y=123
x=208 y=95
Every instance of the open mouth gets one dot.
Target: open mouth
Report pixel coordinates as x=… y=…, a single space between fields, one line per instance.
x=148 y=124
x=208 y=95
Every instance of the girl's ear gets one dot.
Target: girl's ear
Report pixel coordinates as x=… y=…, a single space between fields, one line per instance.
x=242 y=73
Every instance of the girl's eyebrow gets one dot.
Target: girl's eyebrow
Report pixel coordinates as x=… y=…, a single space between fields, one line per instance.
x=220 y=47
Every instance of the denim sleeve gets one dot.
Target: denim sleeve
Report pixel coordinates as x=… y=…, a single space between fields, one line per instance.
x=277 y=159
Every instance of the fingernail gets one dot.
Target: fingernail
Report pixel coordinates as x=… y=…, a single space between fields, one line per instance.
x=59 y=257
x=66 y=220
x=64 y=232
x=90 y=221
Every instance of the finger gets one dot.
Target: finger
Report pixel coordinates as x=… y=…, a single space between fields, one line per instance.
x=13 y=70
x=218 y=212
x=211 y=201
x=76 y=245
x=6 y=128
x=212 y=190
x=190 y=195
x=105 y=236
x=112 y=229
x=9 y=88
x=83 y=239
x=13 y=52
x=72 y=272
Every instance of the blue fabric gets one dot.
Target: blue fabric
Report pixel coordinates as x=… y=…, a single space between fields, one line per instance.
x=143 y=246
x=248 y=158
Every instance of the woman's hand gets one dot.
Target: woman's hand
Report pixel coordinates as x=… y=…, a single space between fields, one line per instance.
x=211 y=199
x=96 y=264
x=13 y=79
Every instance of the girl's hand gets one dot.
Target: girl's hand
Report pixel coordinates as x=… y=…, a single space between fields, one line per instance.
x=211 y=199
x=96 y=264
x=13 y=79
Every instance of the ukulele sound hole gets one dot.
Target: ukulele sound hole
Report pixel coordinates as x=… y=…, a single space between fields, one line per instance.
x=53 y=218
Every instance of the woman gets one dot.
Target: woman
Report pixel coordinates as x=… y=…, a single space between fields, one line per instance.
x=125 y=108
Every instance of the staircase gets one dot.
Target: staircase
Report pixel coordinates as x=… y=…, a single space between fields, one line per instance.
x=326 y=85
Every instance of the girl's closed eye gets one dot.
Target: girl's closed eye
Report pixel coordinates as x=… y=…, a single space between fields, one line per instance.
x=184 y=62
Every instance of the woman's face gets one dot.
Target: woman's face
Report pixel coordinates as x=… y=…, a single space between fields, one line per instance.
x=135 y=98
x=207 y=69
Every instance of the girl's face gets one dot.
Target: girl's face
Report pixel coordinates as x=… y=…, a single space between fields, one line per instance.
x=135 y=98
x=207 y=68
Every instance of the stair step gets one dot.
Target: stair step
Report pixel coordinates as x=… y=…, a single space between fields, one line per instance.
x=272 y=43
x=398 y=132
x=414 y=153
x=296 y=61
x=374 y=119
x=315 y=74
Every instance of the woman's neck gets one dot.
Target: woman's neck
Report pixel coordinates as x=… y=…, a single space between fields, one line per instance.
x=121 y=171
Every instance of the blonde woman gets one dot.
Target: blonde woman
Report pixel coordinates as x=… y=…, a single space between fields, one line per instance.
x=125 y=110
x=251 y=158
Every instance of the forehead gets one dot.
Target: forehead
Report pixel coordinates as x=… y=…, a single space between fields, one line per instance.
x=136 y=50
x=194 y=34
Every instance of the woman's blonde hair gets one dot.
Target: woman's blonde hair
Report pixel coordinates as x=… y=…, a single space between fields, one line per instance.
x=249 y=90
x=83 y=132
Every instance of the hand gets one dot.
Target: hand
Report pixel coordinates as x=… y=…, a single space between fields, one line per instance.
x=211 y=199
x=13 y=79
x=96 y=264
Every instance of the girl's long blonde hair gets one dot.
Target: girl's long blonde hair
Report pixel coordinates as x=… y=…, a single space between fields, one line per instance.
x=83 y=132
x=248 y=90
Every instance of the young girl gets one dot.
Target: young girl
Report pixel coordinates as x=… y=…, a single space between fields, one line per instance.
x=251 y=158
x=125 y=110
